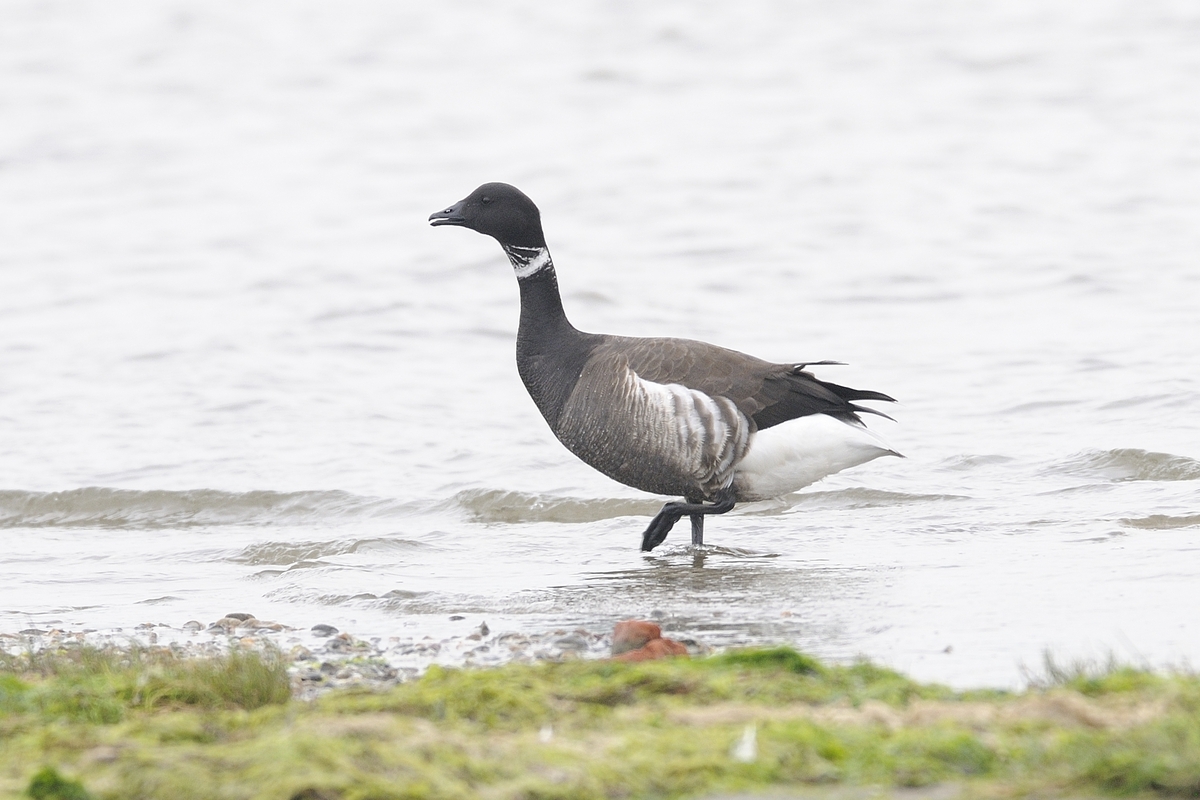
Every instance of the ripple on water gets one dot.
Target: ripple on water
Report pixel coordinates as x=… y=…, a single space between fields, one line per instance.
x=289 y=553
x=1129 y=464
x=513 y=507
x=963 y=463
x=860 y=497
x=499 y=505
x=1160 y=522
x=97 y=507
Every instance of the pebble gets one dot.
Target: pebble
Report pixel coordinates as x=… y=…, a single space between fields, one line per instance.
x=104 y=754
x=323 y=630
x=638 y=640
x=652 y=650
x=225 y=624
x=632 y=634
x=575 y=643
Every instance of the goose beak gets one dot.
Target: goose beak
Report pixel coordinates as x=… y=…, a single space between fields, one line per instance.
x=450 y=216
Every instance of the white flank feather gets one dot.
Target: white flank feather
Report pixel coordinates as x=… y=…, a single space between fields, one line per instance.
x=801 y=451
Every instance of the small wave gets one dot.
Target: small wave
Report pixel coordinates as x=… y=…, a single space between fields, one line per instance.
x=290 y=553
x=1039 y=405
x=1159 y=400
x=96 y=507
x=1163 y=522
x=1130 y=464
x=397 y=600
x=498 y=505
x=965 y=463
x=866 y=498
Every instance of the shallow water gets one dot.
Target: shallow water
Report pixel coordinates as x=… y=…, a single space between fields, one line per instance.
x=238 y=372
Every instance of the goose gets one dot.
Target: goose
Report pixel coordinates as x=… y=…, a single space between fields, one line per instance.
x=668 y=416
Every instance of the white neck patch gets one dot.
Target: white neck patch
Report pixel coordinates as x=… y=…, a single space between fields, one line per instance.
x=527 y=260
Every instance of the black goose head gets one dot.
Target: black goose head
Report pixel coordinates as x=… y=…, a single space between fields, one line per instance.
x=497 y=210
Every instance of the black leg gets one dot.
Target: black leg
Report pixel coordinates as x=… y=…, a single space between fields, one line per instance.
x=697 y=530
x=671 y=513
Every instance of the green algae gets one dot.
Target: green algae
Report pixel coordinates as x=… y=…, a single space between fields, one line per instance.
x=48 y=784
x=100 y=685
x=151 y=725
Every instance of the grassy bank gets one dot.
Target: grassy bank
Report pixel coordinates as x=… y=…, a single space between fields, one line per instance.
x=86 y=723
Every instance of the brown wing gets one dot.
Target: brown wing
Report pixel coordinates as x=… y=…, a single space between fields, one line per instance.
x=765 y=392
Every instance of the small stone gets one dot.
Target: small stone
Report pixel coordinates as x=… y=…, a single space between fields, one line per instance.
x=260 y=625
x=323 y=630
x=573 y=642
x=456 y=617
x=193 y=625
x=240 y=616
x=104 y=754
x=484 y=630
x=633 y=634
x=652 y=650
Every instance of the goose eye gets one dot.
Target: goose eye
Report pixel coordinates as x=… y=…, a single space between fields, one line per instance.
x=485 y=200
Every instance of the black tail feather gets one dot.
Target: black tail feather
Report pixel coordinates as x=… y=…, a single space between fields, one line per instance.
x=852 y=395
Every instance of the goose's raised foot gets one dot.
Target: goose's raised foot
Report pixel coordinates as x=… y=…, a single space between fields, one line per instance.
x=672 y=512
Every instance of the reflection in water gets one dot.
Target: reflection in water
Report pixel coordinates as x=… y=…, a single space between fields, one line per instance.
x=726 y=595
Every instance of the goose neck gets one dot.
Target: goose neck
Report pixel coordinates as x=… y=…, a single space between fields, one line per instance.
x=541 y=303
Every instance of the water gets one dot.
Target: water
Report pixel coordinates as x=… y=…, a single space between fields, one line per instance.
x=238 y=372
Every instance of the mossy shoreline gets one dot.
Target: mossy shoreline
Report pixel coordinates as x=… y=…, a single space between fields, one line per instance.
x=144 y=724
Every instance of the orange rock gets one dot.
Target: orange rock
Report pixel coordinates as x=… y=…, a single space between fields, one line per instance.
x=632 y=634
x=655 y=648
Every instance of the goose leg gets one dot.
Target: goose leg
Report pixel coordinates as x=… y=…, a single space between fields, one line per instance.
x=672 y=512
x=697 y=530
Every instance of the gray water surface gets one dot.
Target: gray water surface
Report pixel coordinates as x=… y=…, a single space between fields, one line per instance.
x=238 y=372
